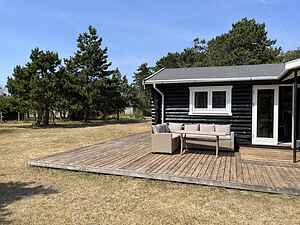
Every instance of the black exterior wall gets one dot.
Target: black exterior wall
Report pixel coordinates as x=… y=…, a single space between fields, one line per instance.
x=177 y=107
x=155 y=107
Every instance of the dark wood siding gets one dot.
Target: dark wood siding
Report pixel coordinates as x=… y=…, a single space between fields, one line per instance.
x=177 y=109
x=155 y=107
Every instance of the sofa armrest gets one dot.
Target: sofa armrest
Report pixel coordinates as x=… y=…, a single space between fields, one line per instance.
x=161 y=142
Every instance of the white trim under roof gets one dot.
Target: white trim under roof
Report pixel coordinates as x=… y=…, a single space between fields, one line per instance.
x=290 y=65
x=294 y=64
x=152 y=75
x=203 y=80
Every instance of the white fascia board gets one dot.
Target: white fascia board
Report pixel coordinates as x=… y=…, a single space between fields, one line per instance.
x=290 y=65
x=152 y=75
x=203 y=80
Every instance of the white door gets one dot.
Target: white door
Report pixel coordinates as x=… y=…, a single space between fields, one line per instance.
x=265 y=115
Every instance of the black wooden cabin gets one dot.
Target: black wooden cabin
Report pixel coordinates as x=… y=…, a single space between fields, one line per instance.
x=259 y=101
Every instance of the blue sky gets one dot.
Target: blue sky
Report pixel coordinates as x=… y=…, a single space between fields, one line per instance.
x=134 y=31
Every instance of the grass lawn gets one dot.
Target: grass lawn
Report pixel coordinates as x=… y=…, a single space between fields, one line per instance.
x=45 y=196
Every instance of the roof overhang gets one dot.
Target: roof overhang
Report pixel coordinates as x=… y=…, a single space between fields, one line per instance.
x=288 y=66
x=205 y=80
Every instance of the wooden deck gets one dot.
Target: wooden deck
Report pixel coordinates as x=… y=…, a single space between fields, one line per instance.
x=130 y=156
x=269 y=156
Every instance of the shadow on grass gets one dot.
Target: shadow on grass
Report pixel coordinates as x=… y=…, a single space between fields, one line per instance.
x=14 y=191
x=78 y=124
x=94 y=123
x=6 y=131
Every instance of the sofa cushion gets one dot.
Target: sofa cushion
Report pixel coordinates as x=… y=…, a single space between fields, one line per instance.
x=222 y=129
x=175 y=136
x=165 y=128
x=201 y=137
x=160 y=128
x=207 y=128
x=155 y=129
x=207 y=137
x=174 y=127
x=191 y=127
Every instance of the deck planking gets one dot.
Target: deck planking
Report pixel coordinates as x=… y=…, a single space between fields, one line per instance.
x=131 y=156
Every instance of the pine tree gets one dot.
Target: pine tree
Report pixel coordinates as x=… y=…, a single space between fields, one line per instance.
x=44 y=68
x=119 y=92
x=34 y=85
x=246 y=43
x=142 y=95
x=19 y=87
x=290 y=55
x=90 y=70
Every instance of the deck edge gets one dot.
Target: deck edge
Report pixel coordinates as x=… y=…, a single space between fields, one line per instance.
x=165 y=177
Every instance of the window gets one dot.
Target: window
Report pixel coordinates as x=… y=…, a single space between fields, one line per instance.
x=201 y=100
x=219 y=99
x=214 y=100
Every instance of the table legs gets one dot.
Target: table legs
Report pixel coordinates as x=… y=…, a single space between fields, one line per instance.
x=217 y=146
x=185 y=144
x=181 y=144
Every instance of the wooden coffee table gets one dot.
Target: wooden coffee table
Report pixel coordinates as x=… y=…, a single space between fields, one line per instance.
x=183 y=139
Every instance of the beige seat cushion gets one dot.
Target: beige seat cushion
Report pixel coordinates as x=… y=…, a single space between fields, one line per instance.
x=191 y=127
x=222 y=129
x=201 y=137
x=207 y=137
x=207 y=128
x=175 y=135
x=174 y=127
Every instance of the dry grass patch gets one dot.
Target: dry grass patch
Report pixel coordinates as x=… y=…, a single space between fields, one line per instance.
x=46 y=196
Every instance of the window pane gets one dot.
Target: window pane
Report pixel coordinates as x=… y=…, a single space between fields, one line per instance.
x=219 y=99
x=265 y=113
x=201 y=99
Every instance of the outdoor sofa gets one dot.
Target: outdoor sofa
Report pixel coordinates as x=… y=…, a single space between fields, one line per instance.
x=165 y=137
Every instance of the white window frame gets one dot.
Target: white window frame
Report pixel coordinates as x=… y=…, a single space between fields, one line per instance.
x=264 y=140
x=209 y=110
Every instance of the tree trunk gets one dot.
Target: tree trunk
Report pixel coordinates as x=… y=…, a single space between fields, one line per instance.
x=118 y=115
x=53 y=117
x=46 y=117
x=86 y=115
x=18 y=117
x=39 y=118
